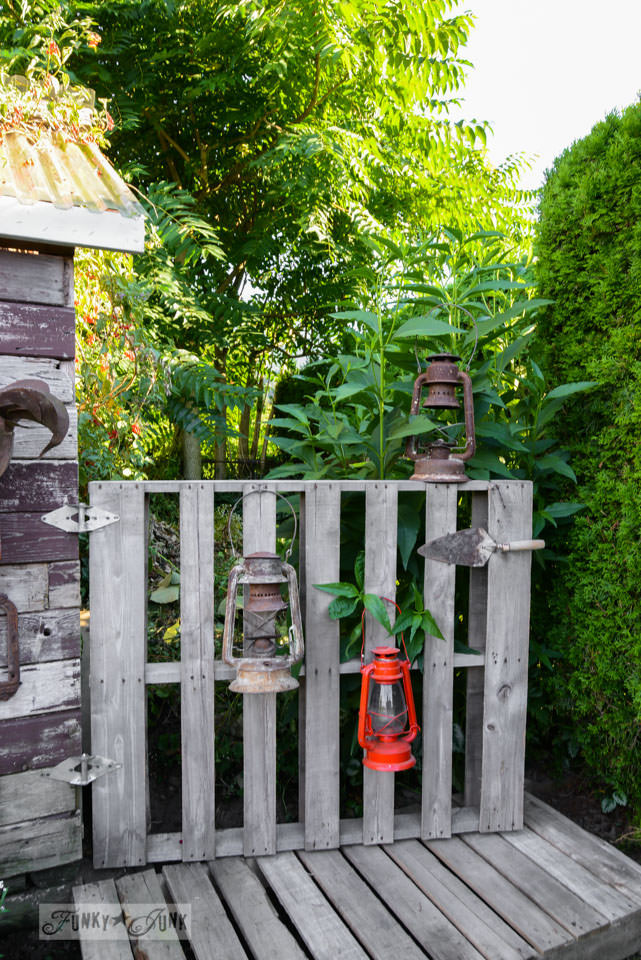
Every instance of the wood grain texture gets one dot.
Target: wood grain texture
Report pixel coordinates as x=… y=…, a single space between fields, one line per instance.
x=48 y=635
x=264 y=932
x=506 y=660
x=135 y=889
x=378 y=931
x=26 y=539
x=425 y=922
x=322 y=657
x=64 y=584
x=36 y=278
x=100 y=895
x=44 y=688
x=259 y=710
x=34 y=330
x=325 y=935
x=26 y=585
x=467 y=911
x=30 y=439
x=40 y=844
x=211 y=935
x=35 y=794
x=57 y=374
x=438 y=672
x=118 y=600
x=475 y=679
x=381 y=523
x=197 y=671
x=43 y=740
x=38 y=486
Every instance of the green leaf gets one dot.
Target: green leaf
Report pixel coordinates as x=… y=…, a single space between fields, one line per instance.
x=361 y=316
x=555 y=465
x=425 y=327
x=295 y=410
x=608 y=804
x=165 y=594
x=409 y=522
x=567 y=389
x=342 y=607
x=374 y=605
x=338 y=589
x=558 y=510
x=359 y=569
x=621 y=798
x=416 y=425
x=430 y=626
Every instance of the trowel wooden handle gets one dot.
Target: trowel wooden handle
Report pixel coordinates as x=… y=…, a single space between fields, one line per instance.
x=521 y=545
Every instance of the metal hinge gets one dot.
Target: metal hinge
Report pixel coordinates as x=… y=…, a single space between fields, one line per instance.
x=79 y=519
x=80 y=771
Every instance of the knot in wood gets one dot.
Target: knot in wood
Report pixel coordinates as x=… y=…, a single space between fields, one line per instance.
x=504 y=691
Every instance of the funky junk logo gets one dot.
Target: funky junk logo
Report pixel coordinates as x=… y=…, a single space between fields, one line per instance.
x=111 y=921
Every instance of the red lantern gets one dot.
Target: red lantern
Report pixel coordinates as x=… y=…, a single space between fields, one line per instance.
x=387 y=716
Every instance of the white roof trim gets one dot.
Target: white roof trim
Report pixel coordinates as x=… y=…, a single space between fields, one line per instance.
x=42 y=222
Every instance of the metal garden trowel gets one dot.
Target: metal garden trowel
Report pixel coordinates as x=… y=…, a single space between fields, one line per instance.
x=472 y=548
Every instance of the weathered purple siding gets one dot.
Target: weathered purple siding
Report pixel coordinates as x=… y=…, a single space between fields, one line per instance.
x=33 y=330
x=41 y=741
x=24 y=538
x=44 y=636
x=37 y=485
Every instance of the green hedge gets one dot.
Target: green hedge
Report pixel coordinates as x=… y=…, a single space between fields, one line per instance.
x=589 y=263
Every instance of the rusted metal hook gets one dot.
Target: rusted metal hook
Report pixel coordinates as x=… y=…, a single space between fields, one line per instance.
x=10 y=686
x=29 y=400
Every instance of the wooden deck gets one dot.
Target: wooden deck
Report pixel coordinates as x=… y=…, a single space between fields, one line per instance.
x=550 y=890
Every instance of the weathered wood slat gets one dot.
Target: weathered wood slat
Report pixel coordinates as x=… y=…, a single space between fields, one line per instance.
x=44 y=636
x=39 y=741
x=39 y=844
x=38 y=486
x=596 y=855
x=322 y=656
x=197 y=666
x=211 y=935
x=265 y=934
x=578 y=917
x=57 y=374
x=604 y=898
x=381 y=522
x=30 y=439
x=118 y=583
x=524 y=916
x=32 y=330
x=64 y=584
x=259 y=710
x=468 y=912
x=26 y=585
x=438 y=677
x=45 y=688
x=34 y=793
x=324 y=933
x=135 y=889
x=36 y=278
x=299 y=486
x=103 y=896
x=506 y=660
x=476 y=631
x=377 y=929
x=26 y=539
x=426 y=923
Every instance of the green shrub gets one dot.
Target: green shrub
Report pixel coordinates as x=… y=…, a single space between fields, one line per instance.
x=589 y=264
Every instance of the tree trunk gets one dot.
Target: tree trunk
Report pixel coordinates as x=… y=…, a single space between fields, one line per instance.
x=253 y=453
x=243 y=437
x=192 y=459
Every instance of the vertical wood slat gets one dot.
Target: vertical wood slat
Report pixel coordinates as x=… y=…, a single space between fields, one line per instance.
x=438 y=672
x=197 y=670
x=477 y=624
x=322 y=677
x=381 y=521
x=506 y=660
x=259 y=709
x=118 y=579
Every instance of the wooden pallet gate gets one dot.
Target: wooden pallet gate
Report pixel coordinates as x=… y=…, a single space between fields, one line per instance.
x=120 y=672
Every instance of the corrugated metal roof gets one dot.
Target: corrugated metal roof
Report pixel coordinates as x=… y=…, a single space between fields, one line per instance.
x=47 y=168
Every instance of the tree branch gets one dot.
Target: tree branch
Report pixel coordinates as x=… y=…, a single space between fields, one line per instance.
x=312 y=103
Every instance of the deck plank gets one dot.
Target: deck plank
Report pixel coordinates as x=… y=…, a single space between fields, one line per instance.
x=530 y=922
x=144 y=887
x=265 y=934
x=211 y=935
x=481 y=926
x=324 y=933
x=604 y=898
x=103 y=894
x=425 y=922
x=578 y=917
x=378 y=931
x=596 y=855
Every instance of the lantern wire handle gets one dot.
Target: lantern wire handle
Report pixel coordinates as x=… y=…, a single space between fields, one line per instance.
x=387 y=600
x=276 y=494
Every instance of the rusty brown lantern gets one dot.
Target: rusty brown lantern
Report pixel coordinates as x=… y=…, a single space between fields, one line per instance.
x=270 y=644
x=442 y=461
